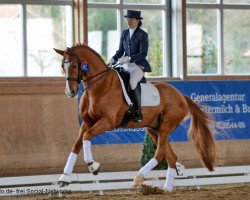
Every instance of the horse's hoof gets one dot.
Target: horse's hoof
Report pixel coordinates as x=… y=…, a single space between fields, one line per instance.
x=167 y=189
x=63 y=184
x=64 y=180
x=94 y=168
x=96 y=172
x=138 y=180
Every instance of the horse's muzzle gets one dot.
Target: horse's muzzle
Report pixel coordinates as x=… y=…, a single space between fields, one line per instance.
x=71 y=93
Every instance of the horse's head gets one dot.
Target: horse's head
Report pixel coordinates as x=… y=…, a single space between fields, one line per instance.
x=76 y=64
x=71 y=65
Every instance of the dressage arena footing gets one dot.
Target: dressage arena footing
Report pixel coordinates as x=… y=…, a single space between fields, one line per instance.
x=47 y=184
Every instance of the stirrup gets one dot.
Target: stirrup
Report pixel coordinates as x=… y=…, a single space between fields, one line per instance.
x=138 y=116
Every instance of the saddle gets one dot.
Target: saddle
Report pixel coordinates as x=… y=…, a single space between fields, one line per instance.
x=149 y=94
x=125 y=78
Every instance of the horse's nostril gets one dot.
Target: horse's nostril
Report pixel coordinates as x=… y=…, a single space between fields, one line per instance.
x=73 y=92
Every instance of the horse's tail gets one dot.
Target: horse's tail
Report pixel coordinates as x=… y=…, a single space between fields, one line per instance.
x=201 y=134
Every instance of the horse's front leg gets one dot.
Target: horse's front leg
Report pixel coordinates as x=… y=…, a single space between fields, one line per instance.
x=65 y=179
x=100 y=126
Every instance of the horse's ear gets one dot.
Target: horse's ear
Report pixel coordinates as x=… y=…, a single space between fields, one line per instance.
x=59 y=51
x=69 y=50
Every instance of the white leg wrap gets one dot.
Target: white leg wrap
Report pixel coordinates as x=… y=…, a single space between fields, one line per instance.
x=148 y=167
x=169 y=184
x=87 y=155
x=68 y=169
x=65 y=178
x=94 y=167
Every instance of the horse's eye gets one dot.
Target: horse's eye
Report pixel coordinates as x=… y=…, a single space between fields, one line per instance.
x=74 y=66
x=66 y=61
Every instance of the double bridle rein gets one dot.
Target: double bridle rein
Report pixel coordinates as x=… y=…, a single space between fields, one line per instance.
x=78 y=79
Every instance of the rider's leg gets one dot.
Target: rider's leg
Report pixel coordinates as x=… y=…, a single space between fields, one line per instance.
x=136 y=93
x=136 y=74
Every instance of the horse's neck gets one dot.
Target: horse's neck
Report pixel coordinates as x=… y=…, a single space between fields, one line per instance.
x=102 y=83
x=96 y=75
x=94 y=61
x=96 y=66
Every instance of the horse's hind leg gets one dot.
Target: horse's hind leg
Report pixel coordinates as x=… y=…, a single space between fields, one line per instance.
x=170 y=156
x=171 y=159
x=158 y=157
x=138 y=180
x=163 y=151
x=153 y=135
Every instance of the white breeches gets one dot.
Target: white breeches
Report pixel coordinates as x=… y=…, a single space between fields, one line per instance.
x=136 y=74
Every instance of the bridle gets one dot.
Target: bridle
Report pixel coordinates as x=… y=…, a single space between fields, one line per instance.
x=68 y=78
x=79 y=66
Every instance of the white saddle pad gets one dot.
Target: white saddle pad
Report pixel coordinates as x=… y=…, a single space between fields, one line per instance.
x=150 y=96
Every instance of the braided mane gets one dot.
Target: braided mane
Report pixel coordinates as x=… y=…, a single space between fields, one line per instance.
x=79 y=45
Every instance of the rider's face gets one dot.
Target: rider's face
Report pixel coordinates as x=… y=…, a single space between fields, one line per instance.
x=132 y=22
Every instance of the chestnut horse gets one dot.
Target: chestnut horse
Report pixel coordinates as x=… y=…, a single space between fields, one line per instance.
x=100 y=114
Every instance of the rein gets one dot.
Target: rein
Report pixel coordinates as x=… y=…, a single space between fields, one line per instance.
x=78 y=79
x=96 y=75
x=95 y=80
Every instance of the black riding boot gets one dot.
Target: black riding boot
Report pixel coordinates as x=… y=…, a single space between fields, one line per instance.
x=137 y=103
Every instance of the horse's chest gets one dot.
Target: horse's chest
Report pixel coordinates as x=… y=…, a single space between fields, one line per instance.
x=95 y=111
x=102 y=105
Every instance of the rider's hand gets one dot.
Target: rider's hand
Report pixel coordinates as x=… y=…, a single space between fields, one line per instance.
x=124 y=59
x=111 y=62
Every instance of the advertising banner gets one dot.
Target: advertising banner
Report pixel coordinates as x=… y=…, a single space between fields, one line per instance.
x=227 y=101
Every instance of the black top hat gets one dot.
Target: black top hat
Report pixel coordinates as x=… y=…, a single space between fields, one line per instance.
x=133 y=14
